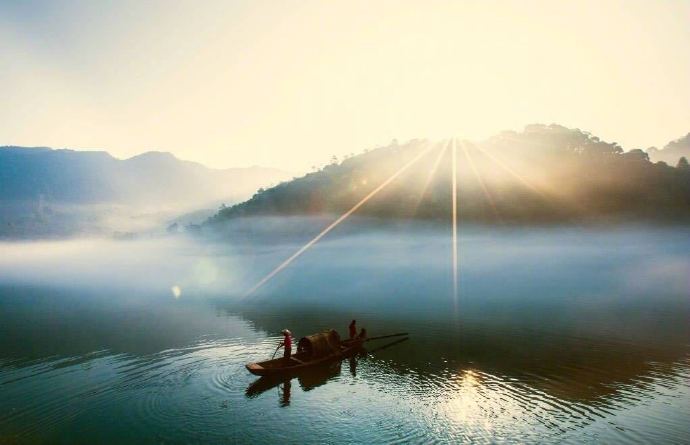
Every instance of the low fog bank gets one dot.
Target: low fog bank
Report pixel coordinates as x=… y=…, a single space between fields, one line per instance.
x=172 y=265
x=368 y=262
x=28 y=220
x=630 y=284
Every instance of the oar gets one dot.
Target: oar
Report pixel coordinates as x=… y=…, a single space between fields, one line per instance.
x=387 y=336
x=274 y=354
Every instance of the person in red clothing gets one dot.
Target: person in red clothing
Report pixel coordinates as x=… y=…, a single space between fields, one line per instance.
x=353 y=329
x=287 y=343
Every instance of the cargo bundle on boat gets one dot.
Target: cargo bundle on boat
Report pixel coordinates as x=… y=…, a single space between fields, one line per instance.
x=312 y=350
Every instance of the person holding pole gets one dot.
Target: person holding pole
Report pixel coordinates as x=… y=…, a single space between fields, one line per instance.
x=286 y=343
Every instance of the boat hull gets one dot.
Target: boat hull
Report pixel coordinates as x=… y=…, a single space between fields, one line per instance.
x=295 y=364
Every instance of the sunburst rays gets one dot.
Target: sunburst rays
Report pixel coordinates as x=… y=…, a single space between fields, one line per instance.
x=454 y=231
x=478 y=176
x=432 y=173
x=335 y=223
x=451 y=144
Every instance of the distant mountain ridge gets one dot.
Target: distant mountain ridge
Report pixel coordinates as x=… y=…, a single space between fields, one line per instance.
x=95 y=177
x=49 y=192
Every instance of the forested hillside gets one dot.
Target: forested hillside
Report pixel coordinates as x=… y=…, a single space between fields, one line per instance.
x=542 y=174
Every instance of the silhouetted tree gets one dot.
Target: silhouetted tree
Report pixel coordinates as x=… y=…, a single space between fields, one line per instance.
x=683 y=164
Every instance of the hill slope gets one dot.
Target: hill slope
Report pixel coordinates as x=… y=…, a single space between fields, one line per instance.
x=543 y=174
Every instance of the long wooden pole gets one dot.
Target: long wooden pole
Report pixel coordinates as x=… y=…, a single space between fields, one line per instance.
x=387 y=336
x=276 y=351
x=388 y=345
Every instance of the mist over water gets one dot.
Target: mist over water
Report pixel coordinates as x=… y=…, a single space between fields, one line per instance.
x=558 y=334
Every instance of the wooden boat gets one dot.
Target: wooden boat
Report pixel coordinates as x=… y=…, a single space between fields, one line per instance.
x=313 y=350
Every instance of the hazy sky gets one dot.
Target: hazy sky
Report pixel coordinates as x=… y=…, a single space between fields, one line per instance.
x=288 y=84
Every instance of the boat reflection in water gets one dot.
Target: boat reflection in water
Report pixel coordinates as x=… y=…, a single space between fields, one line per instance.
x=307 y=379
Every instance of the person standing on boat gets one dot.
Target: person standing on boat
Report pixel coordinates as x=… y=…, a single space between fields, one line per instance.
x=286 y=343
x=353 y=329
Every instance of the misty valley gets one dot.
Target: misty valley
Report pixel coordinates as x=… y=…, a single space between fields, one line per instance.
x=531 y=287
x=344 y=222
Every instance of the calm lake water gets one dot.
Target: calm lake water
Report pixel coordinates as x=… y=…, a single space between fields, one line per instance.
x=558 y=335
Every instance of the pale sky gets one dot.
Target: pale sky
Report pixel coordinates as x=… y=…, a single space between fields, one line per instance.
x=288 y=84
